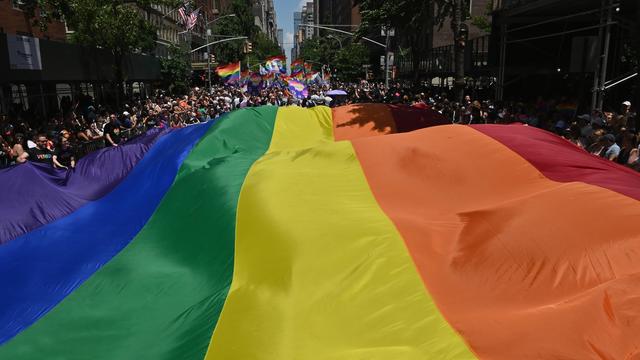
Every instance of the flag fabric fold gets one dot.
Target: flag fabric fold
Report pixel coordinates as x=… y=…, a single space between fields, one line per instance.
x=294 y=233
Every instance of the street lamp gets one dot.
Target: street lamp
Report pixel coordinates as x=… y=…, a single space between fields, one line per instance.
x=207 y=34
x=337 y=39
x=386 y=46
x=216 y=19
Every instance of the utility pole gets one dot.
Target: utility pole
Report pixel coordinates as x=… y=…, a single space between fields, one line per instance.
x=636 y=89
x=605 y=55
x=460 y=32
x=207 y=33
x=387 y=30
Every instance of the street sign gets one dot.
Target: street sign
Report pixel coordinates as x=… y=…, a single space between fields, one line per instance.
x=391 y=59
x=392 y=31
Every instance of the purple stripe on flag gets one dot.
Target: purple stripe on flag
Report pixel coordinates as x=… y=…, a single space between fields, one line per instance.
x=36 y=194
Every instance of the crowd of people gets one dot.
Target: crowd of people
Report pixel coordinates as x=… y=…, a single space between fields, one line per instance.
x=84 y=127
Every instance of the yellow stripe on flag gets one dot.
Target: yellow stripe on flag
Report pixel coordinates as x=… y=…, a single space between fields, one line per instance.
x=320 y=271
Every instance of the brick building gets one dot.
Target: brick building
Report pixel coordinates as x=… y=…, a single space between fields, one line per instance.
x=15 y=21
x=37 y=70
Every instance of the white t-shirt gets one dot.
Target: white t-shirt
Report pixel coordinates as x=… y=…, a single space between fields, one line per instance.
x=613 y=150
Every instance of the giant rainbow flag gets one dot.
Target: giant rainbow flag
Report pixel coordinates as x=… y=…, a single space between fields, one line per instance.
x=360 y=232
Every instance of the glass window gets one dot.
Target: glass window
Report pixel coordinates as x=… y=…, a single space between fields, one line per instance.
x=17 y=4
x=19 y=95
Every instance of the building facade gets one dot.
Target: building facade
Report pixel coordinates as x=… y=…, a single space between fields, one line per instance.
x=560 y=48
x=264 y=14
x=344 y=13
x=38 y=69
x=168 y=30
x=306 y=16
x=14 y=21
x=280 y=37
x=297 y=20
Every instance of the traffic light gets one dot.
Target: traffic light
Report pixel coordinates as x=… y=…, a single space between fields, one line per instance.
x=213 y=58
x=248 y=47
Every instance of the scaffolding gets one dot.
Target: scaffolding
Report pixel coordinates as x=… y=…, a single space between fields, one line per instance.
x=510 y=34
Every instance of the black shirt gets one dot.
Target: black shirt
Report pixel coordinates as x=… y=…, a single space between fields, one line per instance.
x=114 y=132
x=65 y=155
x=44 y=155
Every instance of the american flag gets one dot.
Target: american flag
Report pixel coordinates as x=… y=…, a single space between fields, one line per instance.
x=192 y=19
x=183 y=15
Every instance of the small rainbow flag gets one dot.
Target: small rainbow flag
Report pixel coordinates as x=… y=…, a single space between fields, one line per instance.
x=298 y=89
x=244 y=76
x=276 y=64
x=311 y=76
x=230 y=73
x=255 y=78
x=297 y=68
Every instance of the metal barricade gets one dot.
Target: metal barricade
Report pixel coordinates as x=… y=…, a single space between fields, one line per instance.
x=90 y=146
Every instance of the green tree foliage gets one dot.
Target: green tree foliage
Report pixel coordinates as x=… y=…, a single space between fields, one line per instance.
x=116 y=25
x=349 y=60
x=346 y=61
x=483 y=22
x=318 y=51
x=176 y=71
x=241 y=25
x=412 y=19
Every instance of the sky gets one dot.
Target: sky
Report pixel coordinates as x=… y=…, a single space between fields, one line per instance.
x=284 y=17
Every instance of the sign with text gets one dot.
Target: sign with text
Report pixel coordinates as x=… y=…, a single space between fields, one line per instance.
x=24 y=52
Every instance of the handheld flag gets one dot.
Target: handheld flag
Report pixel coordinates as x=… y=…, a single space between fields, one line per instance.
x=230 y=73
x=298 y=89
x=276 y=64
x=244 y=76
x=297 y=68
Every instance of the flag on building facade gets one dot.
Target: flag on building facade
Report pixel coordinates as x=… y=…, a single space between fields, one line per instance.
x=192 y=19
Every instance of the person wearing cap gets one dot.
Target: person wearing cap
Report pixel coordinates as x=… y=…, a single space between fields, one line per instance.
x=622 y=118
x=125 y=121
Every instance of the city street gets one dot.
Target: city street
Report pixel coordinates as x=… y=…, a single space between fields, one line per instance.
x=319 y=179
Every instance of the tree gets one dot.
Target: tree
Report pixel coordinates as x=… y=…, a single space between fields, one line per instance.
x=116 y=25
x=242 y=24
x=456 y=8
x=483 y=22
x=415 y=19
x=176 y=70
x=318 y=51
x=349 y=60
